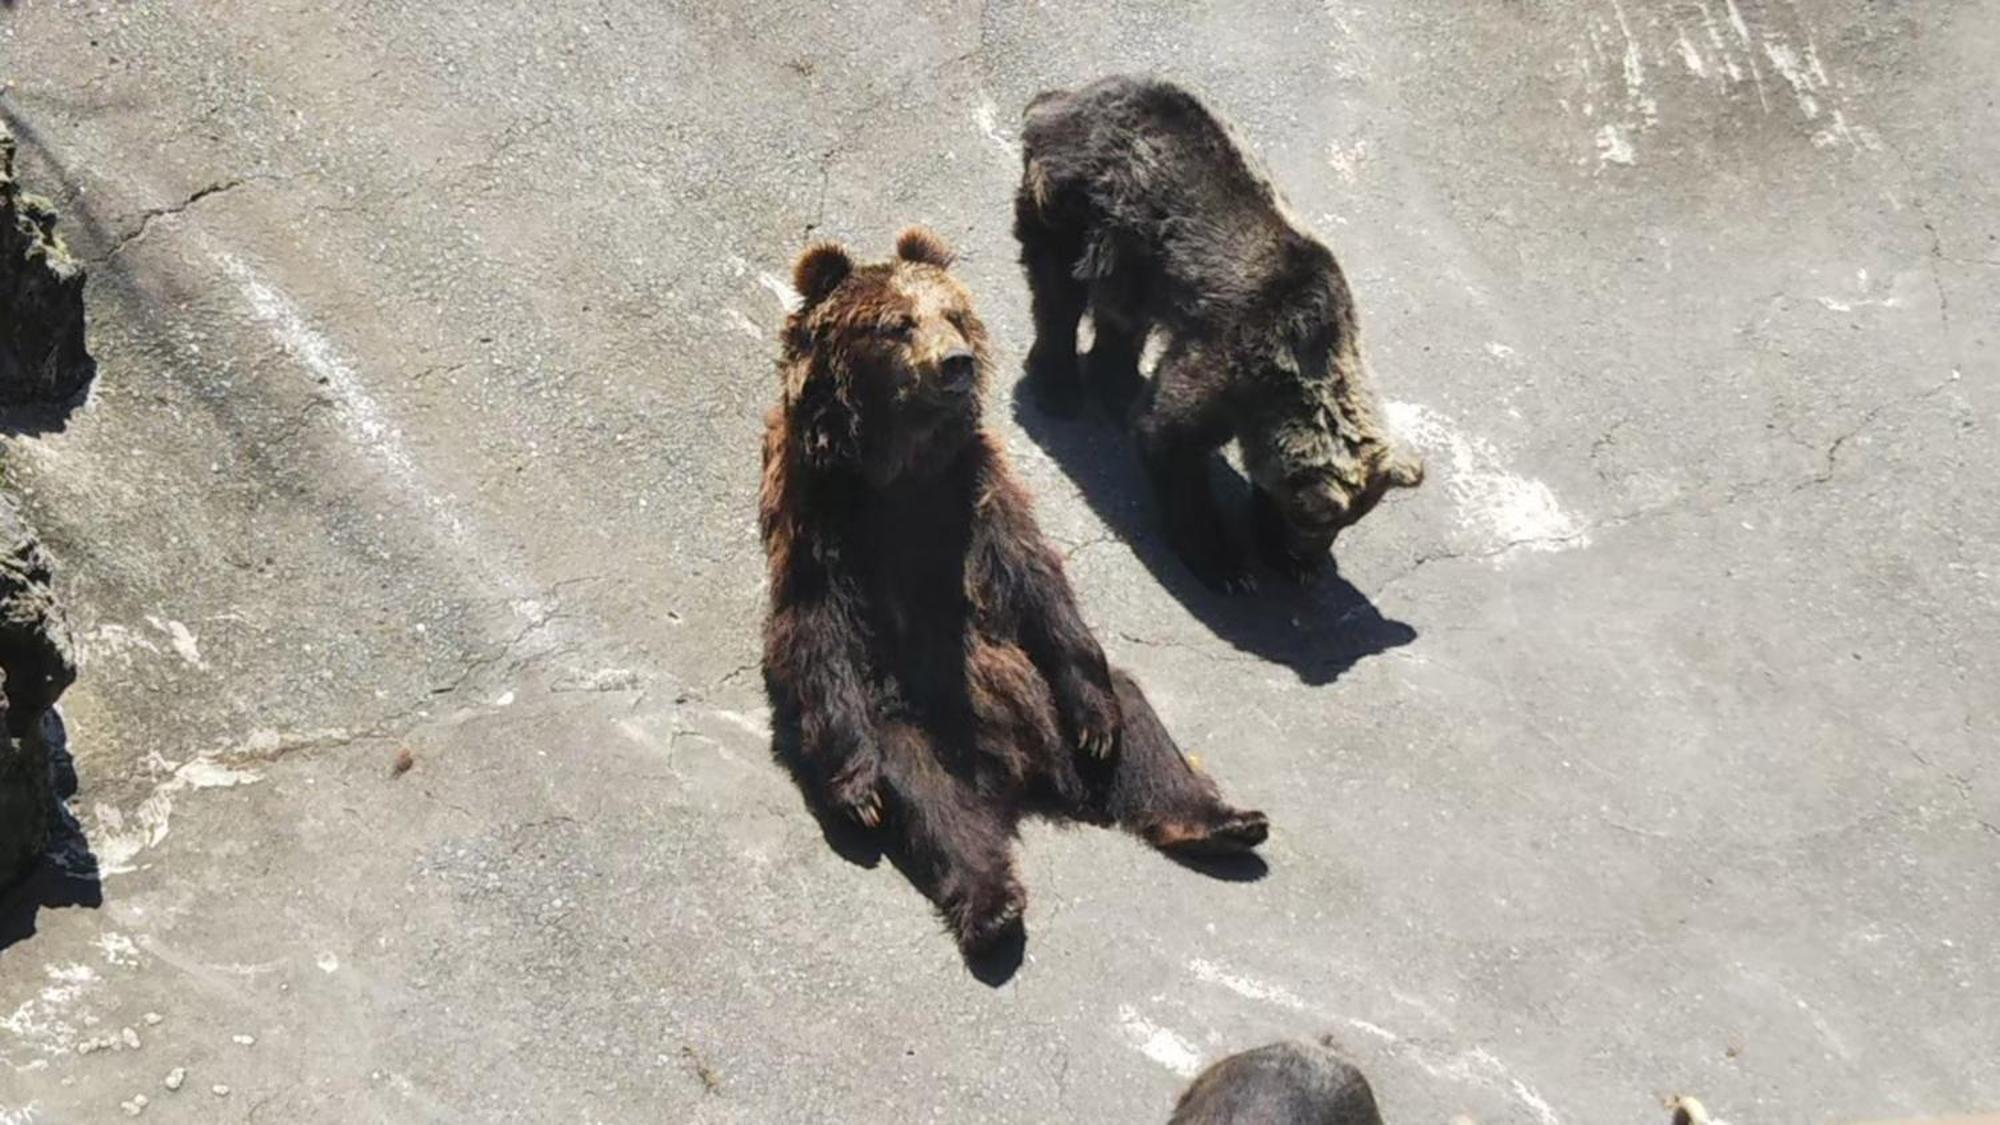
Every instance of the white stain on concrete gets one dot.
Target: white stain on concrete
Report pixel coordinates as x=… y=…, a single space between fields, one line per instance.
x=1208 y=972
x=118 y=837
x=1727 y=51
x=1794 y=70
x=182 y=639
x=327 y=962
x=780 y=290
x=46 y=1023
x=1614 y=145
x=367 y=425
x=1907 y=288
x=110 y=641
x=122 y=643
x=986 y=115
x=1347 y=159
x=1742 y=29
x=1716 y=43
x=117 y=949
x=755 y=724
x=1633 y=66
x=1485 y=1063
x=744 y=324
x=1690 y=57
x=1162 y=1045
x=30 y=1114
x=1503 y=509
x=1614 y=87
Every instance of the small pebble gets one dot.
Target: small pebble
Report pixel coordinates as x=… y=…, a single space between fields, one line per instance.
x=245 y=1040
x=135 y=1107
x=176 y=1078
x=130 y=1037
x=153 y=1019
x=219 y=1091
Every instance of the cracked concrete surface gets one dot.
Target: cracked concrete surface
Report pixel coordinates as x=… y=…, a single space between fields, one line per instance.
x=433 y=349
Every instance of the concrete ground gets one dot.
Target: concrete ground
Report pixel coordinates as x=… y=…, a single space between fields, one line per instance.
x=1647 y=749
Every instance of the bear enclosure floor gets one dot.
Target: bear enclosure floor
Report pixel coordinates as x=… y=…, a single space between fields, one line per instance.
x=1647 y=749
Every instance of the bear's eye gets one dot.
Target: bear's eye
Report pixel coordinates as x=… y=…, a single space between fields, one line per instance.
x=897 y=328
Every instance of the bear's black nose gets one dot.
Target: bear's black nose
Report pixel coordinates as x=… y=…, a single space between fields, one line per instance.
x=958 y=369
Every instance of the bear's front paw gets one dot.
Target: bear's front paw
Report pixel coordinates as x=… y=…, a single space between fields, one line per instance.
x=856 y=789
x=1055 y=381
x=1300 y=569
x=1219 y=564
x=1091 y=714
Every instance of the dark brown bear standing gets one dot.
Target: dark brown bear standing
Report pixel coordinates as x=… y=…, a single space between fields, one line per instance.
x=928 y=670
x=1136 y=202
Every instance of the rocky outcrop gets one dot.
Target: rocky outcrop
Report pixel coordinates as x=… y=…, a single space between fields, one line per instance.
x=42 y=355
x=38 y=661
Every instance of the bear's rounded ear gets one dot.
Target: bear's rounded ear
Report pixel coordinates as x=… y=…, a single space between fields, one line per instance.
x=820 y=270
x=924 y=245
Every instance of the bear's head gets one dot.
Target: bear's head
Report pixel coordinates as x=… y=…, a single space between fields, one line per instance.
x=1323 y=462
x=885 y=362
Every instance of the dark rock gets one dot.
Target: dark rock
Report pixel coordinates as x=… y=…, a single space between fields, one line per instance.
x=27 y=804
x=42 y=355
x=37 y=661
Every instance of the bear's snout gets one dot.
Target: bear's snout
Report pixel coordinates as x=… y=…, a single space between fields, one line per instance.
x=957 y=369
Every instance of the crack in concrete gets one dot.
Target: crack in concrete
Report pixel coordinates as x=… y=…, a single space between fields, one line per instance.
x=865 y=114
x=148 y=216
x=1072 y=550
x=1867 y=419
x=1197 y=650
x=1732 y=496
x=1604 y=441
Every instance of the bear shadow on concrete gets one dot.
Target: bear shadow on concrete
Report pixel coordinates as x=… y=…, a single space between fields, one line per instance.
x=1318 y=630
x=67 y=874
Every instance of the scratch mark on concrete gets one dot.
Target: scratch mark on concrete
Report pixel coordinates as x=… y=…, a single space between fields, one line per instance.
x=1749 y=51
x=986 y=115
x=367 y=424
x=780 y=289
x=1163 y=1046
x=743 y=323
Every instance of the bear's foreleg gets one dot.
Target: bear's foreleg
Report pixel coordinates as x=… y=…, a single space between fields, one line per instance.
x=1179 y=424
x=814 y=652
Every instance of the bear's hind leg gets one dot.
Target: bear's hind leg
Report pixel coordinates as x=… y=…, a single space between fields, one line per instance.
x=1114 y=363
x=1157 y=794
x=959 y=847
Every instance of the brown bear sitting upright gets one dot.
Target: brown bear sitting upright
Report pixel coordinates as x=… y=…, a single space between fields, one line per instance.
x=1135 y=200
x=929 y=673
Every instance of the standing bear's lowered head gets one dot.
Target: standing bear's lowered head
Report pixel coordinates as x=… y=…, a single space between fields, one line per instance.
x=884 y=364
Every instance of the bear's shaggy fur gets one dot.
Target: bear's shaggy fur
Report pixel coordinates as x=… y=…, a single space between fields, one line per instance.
x=1137 y=201
x=1297 y=1083
x=929 y=673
